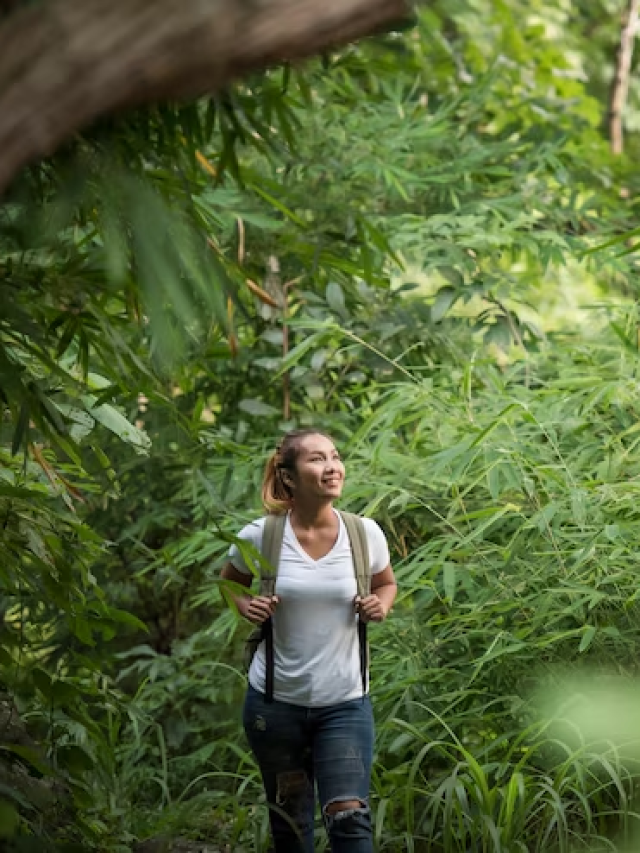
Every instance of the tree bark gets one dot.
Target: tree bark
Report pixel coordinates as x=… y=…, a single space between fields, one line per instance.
x=620 y=87
x=63 y=63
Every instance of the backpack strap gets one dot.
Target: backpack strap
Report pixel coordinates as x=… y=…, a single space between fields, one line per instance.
x=359 y=550
x=272 y=536
x=362 y=568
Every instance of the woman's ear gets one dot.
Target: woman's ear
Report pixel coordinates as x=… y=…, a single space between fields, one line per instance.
x=287 y=479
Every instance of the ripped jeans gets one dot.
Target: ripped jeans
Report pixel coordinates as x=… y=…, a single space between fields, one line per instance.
x=296 y=747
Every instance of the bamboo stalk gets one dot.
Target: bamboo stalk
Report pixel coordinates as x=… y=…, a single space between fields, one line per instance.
x=620 y=86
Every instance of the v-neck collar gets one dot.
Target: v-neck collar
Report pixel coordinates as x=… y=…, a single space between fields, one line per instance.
x=307 y=557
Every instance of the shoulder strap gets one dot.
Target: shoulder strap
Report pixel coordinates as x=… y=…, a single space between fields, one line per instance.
x=362 y=568
x=272 y=536
x=360 y=550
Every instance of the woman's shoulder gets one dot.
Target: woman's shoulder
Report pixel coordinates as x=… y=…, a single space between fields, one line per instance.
x=253 y=529
x=251 y=533
x=371 y=526
x=378 y=546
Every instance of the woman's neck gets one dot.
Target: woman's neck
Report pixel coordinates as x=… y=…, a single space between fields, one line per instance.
x=307 y=516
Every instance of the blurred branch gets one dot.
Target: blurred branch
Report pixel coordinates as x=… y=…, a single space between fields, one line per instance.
x=64 y=63
x=620 y=86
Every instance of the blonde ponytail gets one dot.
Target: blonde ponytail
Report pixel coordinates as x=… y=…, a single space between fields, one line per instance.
x=276 y=496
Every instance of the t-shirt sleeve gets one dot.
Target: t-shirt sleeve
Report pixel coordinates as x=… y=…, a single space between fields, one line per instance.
x=378 y=549
x=251 y=533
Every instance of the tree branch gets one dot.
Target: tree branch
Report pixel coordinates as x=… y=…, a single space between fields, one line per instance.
x=63 y=63
x=620 y=86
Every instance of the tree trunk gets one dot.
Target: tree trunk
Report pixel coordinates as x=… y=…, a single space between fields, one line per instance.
x=63 y=63
x=620 y=87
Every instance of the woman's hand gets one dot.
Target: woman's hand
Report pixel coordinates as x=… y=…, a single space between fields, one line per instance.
x=259 y=608
x=370 y=608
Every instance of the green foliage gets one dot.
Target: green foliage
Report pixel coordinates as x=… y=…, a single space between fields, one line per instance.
x=513 y=534
x=504 y=491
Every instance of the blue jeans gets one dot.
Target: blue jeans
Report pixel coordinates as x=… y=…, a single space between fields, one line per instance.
x=296 y=747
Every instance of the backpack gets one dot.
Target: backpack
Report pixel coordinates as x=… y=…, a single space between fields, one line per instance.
x=272 y=537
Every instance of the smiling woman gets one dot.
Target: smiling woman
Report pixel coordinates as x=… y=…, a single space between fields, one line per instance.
x=317 y=728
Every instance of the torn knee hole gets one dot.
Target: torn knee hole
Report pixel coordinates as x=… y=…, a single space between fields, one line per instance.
x=343 y=808
x=347 y=819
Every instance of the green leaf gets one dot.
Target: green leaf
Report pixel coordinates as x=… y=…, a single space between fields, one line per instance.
x=82 y=629
x=9 y=819
x=453 y=276
x=445 y=298
x=22 y=494
x=116 y=422
x=30 y=755
x=257 y=408
x=449 y=578
x=587 y=638
x=306 y=344
x=22 y=426
x=318 y=359
x=42 y=681
x=614 y=241
x=74 y=759
x=494 y=481
x=63 y=692
x=279 y=205
x=126 y=618
x=335 y=299
x=579 y=506
x=499 y=333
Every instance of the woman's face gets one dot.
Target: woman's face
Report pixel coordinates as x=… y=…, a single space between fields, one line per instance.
x=319 y=469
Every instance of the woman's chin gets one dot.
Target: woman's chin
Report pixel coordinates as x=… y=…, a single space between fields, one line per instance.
x=335 y=490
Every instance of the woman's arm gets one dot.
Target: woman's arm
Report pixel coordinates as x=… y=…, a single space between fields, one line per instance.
x=376 y=606
x=255 y=608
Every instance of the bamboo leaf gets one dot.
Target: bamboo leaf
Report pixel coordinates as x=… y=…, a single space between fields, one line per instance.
x=335 y=299
x=449 y=580
x=445 y=298
x=587 y=638
x=257 y=408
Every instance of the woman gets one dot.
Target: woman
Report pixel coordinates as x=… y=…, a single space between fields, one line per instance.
x=319 y=728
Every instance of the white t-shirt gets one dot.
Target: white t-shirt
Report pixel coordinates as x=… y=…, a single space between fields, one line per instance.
x=315 y=637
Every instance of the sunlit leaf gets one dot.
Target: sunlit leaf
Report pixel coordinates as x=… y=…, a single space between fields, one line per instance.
x=257 y=408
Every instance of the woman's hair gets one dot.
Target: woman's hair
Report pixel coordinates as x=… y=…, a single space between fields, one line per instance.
x=276 y=495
